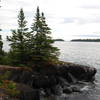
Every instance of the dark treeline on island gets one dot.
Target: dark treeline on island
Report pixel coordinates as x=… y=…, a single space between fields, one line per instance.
x=85 y=40
x=58 y=40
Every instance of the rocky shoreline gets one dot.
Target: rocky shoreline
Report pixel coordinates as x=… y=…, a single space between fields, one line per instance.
x=52 y=79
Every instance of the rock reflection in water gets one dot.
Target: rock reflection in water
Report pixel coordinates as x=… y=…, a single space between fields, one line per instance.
x=51 y=98
x=62 y=97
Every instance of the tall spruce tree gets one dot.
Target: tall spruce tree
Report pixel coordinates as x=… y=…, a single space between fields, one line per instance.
x=1 y=48
x=43 y=49
x=1 y=45
x=19 y=41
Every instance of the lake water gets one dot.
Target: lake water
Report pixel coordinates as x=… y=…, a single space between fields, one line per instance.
x=85 y=53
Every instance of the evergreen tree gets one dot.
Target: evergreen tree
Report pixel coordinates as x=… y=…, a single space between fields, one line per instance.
x=1 y=45
x=43 y=50
x=19 y=41
x=1 y=48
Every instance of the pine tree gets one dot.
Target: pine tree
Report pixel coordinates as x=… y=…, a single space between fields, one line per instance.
x=1 y=45
x=43 y=48
x=19 y=41
x=1 y=48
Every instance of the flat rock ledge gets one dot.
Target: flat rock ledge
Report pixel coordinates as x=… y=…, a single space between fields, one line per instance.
x=52 y=79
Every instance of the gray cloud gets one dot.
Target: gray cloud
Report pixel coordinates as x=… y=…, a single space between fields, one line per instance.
x=96 y=32
x=77 y=20
x=90 y=6
x=83 y=20
x=91 y=35
x=69 y=20
x=24 y=3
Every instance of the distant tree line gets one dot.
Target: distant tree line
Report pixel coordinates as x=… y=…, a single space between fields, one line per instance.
x=85 y=40
x=58 y=40
x=30 y=48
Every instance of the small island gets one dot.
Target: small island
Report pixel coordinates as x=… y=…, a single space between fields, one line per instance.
x=58 y=40
x=85 y=40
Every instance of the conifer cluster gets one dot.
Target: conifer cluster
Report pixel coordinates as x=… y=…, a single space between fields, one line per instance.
x=35 y=47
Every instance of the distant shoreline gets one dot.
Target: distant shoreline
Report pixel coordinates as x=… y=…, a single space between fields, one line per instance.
x=85 y=40
x=59 y=40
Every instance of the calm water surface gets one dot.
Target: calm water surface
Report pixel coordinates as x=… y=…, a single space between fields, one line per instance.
x=86 y=53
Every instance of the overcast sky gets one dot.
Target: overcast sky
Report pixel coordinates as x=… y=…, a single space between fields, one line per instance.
x=68 y=19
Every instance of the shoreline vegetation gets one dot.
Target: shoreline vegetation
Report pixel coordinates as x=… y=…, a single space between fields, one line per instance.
x=85 y=40
x=32 y=69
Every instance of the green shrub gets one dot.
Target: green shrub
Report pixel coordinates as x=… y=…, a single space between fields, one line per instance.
x=12 y=92
x=10 y=88
x=5 y=75
x=11 y=85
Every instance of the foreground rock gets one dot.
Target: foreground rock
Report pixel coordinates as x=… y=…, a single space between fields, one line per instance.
x=50 y=79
